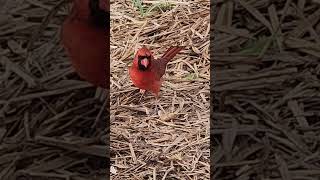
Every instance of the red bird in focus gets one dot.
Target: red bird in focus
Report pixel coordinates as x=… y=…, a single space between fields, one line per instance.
x=85 y=36
x=146 y=72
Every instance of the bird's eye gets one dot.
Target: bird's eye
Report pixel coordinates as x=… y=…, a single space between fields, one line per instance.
x=143 y=57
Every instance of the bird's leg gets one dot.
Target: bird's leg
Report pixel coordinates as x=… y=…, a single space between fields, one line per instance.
x=142 y=91
x=157 y=96
x=156 y=106
x=156 y=102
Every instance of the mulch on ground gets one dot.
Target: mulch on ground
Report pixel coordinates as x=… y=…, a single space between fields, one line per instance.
x=166 y=138
x=52 y=124
x=265 y=121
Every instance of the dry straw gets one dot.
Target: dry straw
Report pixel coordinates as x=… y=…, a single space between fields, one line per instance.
x=46 y=129
x=168 y=138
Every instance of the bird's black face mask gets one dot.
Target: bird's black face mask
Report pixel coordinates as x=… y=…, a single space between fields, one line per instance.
x=144 y=66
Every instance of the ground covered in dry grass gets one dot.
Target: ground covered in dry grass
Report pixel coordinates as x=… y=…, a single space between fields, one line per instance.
x=172 y=140
x=52 y=125
x=265 y=123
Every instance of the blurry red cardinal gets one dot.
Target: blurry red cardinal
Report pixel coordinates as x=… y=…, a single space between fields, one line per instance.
x=146 y=72
x=85 y=36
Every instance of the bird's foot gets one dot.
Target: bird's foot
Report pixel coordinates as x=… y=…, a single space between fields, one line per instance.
x=156 y=108
x=142 y=91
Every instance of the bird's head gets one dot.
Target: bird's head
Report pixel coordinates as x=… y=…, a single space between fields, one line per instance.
x=97 y=11
x=143 y=58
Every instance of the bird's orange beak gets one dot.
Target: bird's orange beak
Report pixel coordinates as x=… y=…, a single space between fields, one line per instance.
x=145 y=62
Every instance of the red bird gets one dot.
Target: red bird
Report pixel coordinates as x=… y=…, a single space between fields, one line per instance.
x=85 y=36
x=146 y=72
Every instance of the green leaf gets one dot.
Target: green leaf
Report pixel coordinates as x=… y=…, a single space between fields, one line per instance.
x=191 y=76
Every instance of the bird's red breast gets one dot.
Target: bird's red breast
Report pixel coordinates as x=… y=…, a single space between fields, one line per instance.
x=85 y=36
x=146 y=72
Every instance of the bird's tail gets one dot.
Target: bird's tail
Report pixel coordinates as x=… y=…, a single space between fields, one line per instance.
x=170 y=53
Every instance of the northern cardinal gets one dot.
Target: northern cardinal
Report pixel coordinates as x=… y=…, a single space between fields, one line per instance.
x=146 y=72
x=85 y=36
